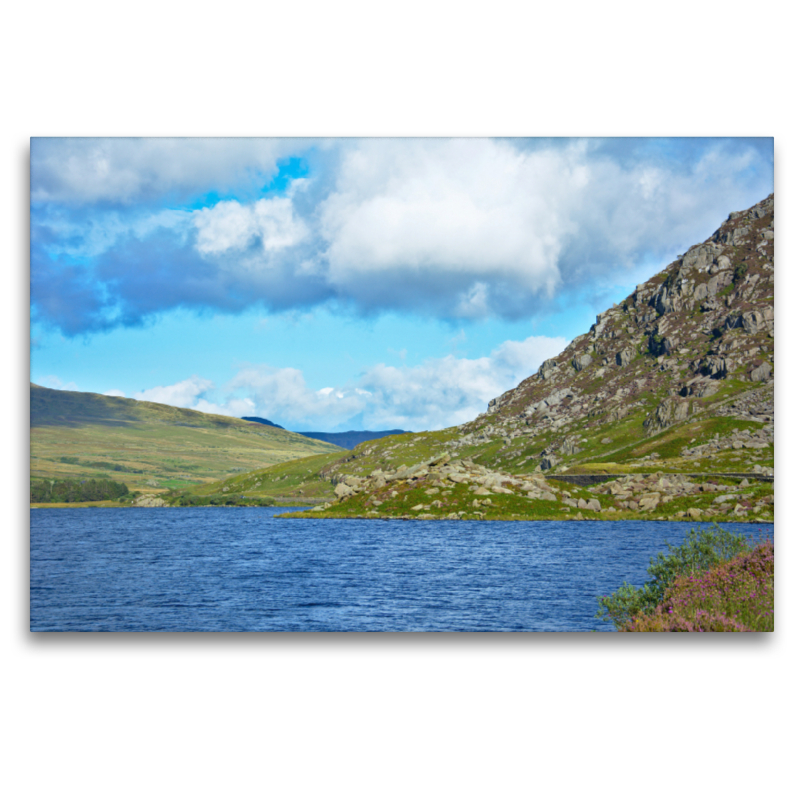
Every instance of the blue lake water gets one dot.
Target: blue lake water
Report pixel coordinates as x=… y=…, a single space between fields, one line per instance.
x=242 y=569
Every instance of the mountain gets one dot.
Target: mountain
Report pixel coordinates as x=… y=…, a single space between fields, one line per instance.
x=263 y=422
x=150 y=446
x=672 y=387
x=350 y=439
x=347 y=440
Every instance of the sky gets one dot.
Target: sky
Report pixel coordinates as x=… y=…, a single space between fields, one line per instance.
x=337 y=284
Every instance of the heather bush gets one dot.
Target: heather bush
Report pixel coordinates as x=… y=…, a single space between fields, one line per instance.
x=700 y=551
x=738 y=595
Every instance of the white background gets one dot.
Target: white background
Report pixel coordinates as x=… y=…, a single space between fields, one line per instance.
x=118 y=716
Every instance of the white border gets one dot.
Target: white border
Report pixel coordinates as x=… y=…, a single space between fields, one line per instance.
x=393 y=716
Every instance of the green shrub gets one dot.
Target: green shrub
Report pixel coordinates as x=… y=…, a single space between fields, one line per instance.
x=736 y=595
x=70 y=491
x=701 y=550
x=219 y=500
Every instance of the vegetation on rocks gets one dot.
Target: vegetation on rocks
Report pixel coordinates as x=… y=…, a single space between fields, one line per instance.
x=736 y=596
x=713 y=581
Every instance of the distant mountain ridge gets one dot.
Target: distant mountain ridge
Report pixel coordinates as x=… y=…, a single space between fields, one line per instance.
x=264 y=422
x=348 y=440
x=149 y=446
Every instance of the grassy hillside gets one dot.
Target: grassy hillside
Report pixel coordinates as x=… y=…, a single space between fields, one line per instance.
x=150 y=446
x=302 y=479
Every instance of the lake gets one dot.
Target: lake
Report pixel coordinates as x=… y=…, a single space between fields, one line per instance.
x=243 y=569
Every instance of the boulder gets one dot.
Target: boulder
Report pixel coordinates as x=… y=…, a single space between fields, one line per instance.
x=579 y=362
x=667 y=413
x=547 y=369
x=721 y=263
x=700 y=257
x=752 y=321
x=724 y=498
x=648 y=501
x=700 y=291
x=761 y=373
x=718 y=281
x=624 y=357
x=556 y=397
x=714 y=366
x=149 y=501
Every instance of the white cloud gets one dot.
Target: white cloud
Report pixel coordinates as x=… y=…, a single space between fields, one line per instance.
x=234 y=407
x=449 y=391
x=464 y=208
x=448 y=228
x=438 y=393
x=114 y=393
x=229 y=225
x=284 y=395
x=131 y=170
x=476 y=227
x=184 y=394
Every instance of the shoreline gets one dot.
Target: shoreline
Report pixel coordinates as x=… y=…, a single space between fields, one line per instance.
x=422 y=517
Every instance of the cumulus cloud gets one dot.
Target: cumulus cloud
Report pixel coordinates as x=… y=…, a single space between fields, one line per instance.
x=449 y=391
x=470 y=209
x=120 y=170
x=437 y=393
x=475 y=227
x=451 y=228
x=232 y=226
x=184 y=394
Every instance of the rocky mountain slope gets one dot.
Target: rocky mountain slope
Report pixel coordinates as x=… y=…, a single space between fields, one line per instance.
x=697 y=336
x=675 y=379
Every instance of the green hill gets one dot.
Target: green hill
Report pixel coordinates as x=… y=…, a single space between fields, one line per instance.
x=150 y=446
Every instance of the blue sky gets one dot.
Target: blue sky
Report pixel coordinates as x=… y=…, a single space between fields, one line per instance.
x=368 y=283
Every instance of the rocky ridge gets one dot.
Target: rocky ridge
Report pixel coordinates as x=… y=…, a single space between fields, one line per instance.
x=705 y=321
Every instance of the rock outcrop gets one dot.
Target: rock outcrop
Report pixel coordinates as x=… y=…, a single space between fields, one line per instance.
x=706 y=319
